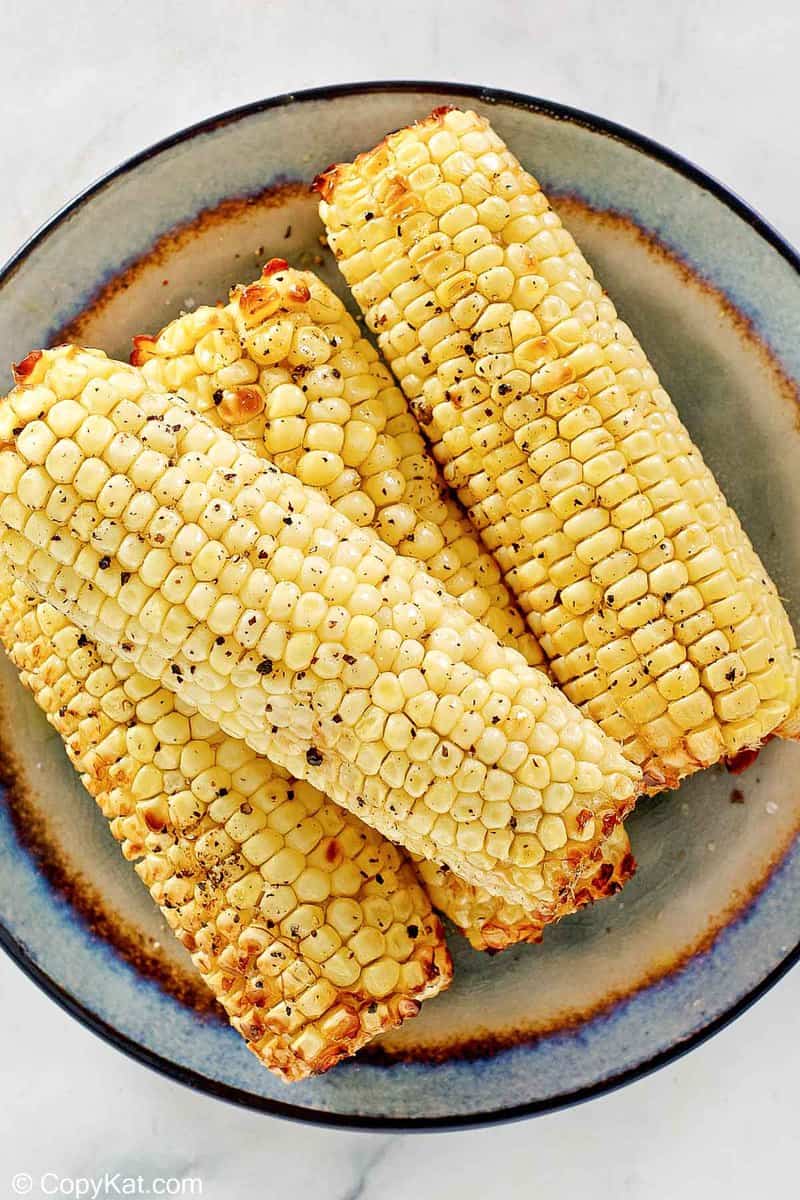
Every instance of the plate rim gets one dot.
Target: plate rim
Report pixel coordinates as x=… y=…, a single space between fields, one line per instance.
x=16 y=949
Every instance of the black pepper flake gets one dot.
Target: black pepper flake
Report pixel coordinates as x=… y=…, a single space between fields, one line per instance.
x=83 y=640
x=218 y=396
x=105 y=563
x=313 y=757
x=412 y=930
x=219 y=641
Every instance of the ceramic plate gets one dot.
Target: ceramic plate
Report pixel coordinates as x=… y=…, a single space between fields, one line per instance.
x=713 y=916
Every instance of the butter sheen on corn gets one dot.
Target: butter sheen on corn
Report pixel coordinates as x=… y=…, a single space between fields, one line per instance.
x=654 y=611
x=242 y=590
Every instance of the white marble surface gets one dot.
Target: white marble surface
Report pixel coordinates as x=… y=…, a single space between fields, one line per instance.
x=83 y=86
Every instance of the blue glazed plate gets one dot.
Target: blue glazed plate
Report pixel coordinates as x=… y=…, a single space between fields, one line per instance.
x=713 y=916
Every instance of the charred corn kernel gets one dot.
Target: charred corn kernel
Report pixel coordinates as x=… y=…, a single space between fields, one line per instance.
x=339 y=425
x=570 y=458
x=491 y=923
x=257 y=694
x=223 y=859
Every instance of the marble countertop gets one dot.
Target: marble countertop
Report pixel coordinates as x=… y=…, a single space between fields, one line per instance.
x=84 y=86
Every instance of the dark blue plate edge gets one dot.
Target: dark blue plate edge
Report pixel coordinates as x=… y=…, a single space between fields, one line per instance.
x=17 y=951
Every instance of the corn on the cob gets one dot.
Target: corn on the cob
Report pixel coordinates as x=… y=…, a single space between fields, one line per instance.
x=656 y=614
x=238 y=365
x=309 y=928
x=284 y=368
x=243 y=591
x=491 y=923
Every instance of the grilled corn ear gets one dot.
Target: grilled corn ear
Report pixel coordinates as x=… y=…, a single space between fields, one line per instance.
x=246 y=593
x=284 y=368
x=236 y=365
x=655 y=613
x=491 y=923
x=310 y=929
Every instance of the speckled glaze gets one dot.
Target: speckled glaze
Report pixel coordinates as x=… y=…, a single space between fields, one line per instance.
x=713 y=916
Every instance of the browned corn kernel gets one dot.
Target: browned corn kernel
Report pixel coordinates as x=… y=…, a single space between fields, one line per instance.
x=275 y=891
x=284 y=367
x=655 y=613
x=490 y=923
x=246 y=593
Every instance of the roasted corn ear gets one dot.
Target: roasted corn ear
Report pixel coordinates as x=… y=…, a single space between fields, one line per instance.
x=242 y=590
x=309 y=928
x=240 y=365
x=656 y=614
